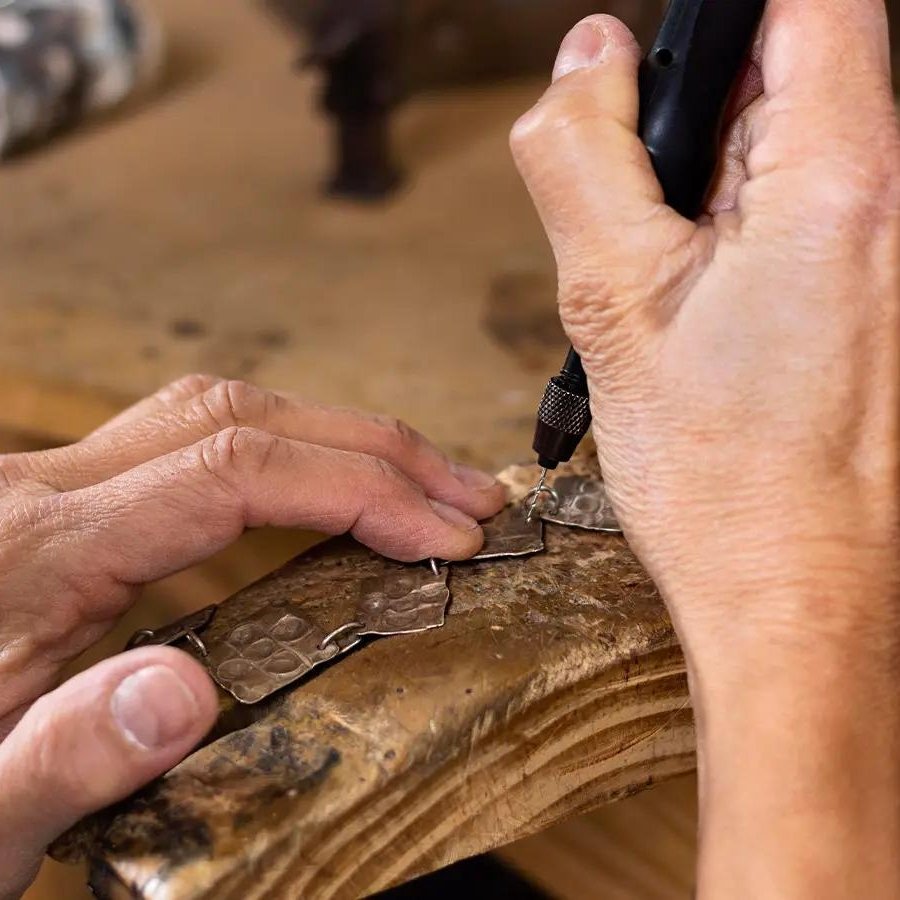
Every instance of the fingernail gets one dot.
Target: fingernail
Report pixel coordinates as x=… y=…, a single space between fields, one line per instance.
x=473 y=478
x=585 y=45
x=453 y=516
x=153 y=707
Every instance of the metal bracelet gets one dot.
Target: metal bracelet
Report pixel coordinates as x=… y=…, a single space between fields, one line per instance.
x=276 y=647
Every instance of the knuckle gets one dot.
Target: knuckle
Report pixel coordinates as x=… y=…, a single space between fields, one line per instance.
x=855 y=193
x=531 y=132
x=557 y=116
x=524 y=131
x=9 y=471
x=381 y=470
x=30 y=471
x=583 y=295
x=188 y=386
x=236 y=449
x=401 y=438
x=57 y=764
x=233 y=402
x=50 y=762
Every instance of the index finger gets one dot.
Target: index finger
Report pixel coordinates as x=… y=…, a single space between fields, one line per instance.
x=826 y=70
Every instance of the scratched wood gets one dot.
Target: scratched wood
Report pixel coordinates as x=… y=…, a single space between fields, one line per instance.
x=556 y=685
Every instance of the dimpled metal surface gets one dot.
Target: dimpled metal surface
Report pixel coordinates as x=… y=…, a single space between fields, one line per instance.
x=269 y=651
x=583 y=503
x=403 y=600
x=510 y=533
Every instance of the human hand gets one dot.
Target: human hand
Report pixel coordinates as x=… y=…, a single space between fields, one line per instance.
x=162 y=487
x=744 y=375
x=743 y=369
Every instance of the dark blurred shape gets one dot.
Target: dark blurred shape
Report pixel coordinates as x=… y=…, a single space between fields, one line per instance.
x=374 y=53
x=479 y=878
x=61 y=60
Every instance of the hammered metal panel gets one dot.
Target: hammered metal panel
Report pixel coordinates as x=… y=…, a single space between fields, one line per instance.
x=268 y=652
x=404 y=600
x=583 y=503
x=510 y=533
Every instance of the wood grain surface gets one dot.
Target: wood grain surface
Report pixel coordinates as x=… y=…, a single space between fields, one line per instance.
x=556 y=685
x=643 y=848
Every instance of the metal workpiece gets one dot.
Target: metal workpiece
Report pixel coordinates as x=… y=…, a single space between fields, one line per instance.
x=257 y=651
x=186 y=629
x=272 y=650
x=403 y=600
x=511 y=533
x=581 y=502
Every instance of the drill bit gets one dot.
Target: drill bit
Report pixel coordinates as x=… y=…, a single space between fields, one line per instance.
x=537 y=495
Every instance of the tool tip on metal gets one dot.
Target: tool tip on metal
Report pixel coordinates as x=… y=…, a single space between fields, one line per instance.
x=537 y=495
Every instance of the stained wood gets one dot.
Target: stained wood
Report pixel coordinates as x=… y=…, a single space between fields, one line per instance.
x=556 y=685
x=641 y=849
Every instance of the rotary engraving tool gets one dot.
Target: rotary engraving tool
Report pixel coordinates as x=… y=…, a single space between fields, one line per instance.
x=685 y=82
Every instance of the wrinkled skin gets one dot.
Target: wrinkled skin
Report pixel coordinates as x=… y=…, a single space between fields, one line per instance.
x=162 y=487
x=744 y=375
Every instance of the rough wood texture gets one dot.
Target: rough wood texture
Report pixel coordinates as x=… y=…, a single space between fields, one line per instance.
x=641 y=849
x=557 y=684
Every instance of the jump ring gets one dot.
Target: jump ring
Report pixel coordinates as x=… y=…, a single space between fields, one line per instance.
x=349 y=626
x=139 y=638
x=196 y=643
x=534 y=494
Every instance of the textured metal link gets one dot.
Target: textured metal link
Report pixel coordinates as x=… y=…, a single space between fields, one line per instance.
x=274 y=648
x=564 y=410
x=269 y=652
x=511 y=533
x=404 y=600
x=582 y=503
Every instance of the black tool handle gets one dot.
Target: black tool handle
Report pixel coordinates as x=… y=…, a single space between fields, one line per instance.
x=685 y=82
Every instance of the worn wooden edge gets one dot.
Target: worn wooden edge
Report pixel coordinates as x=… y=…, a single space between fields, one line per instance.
x=550 y=691
x=405 y=830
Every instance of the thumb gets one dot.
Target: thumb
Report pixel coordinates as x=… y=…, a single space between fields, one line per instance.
x=592 y=180
x=91 y=742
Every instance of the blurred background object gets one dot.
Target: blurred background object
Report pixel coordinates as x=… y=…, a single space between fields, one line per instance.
x=375 y=53
x=63 y=59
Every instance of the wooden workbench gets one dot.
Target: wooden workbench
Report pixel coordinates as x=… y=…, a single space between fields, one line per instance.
x=188 y=233
x=555 y=685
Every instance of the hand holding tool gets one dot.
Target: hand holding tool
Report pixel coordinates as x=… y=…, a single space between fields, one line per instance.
x=685 y=82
